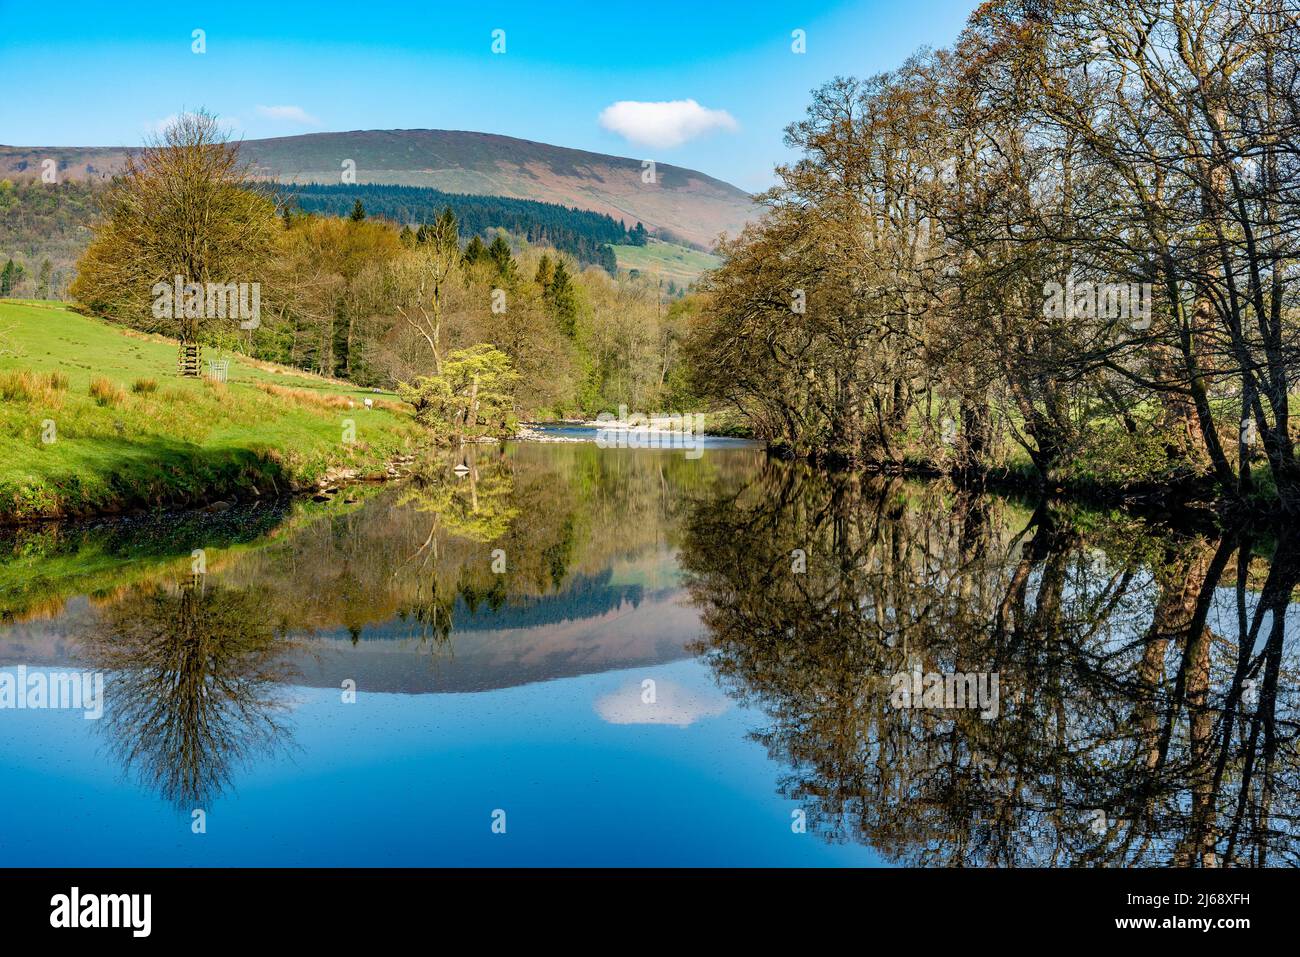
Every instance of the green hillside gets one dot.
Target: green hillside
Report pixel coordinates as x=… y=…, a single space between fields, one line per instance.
x=683 y=201
x=147 y=437
x=681 y=264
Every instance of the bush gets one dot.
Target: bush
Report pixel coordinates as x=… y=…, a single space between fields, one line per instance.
x=24 y=385
x=106 y=392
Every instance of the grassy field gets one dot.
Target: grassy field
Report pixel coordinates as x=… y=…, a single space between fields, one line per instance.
x=95 y=419
x=681 y=264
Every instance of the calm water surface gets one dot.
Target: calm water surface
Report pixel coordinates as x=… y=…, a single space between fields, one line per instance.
x=645 y=659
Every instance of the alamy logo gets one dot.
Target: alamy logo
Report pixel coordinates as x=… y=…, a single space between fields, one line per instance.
x=21 y=690
x=947 y=690
x=211 y=300
x=103 y=910
x=1129 y=301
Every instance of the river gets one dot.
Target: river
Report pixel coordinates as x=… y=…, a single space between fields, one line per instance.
x=566 y=655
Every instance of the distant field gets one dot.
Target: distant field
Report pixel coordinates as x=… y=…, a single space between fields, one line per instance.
x=681 y=264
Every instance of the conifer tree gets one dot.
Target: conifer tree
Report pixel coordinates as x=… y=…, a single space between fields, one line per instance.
x=563 y=300
x=475 y=252
x=545 y=273
x=501 y=256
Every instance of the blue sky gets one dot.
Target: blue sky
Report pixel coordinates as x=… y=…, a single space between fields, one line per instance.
x=94 y=75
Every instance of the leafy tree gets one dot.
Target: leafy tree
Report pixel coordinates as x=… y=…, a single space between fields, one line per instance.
x=184 y=206
x=472 y=395
x=420 y=279
x=330 y=278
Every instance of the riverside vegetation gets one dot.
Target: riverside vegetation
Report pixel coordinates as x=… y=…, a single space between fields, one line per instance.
x=1034 y=257
x=899 y=304
x=351 y=314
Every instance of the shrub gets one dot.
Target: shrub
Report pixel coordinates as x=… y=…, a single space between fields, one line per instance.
x=472 y=396
x=24 y=385
x=106 y=392
x=18 y=386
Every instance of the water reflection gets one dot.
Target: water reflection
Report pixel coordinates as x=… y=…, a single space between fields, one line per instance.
x=1147 y=708
x=192 y=695
x=1148 y=711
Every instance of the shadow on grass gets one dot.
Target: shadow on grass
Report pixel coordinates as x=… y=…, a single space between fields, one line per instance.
x=97 y=476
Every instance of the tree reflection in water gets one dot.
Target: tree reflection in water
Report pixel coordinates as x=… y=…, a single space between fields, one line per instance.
x=192 y=687
x=474 y=504
x=1148 y=711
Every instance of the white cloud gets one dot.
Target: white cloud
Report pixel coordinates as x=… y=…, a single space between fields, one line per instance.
x=293 y=114
x=159 y=126
x=664 y=125
x=673 y=704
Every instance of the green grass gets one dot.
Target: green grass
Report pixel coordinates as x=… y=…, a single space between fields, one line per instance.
x=186 y=441
x=681 y=264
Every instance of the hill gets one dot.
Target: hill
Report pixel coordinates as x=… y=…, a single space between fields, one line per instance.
x=681 y=204
x=40 y=223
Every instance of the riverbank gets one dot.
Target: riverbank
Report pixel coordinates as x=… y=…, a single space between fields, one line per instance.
x=94 y=421
x=1184 y=498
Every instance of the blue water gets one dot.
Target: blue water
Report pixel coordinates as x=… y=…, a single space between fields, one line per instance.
x=414 y=779
x=637 y=658
x=532 y=706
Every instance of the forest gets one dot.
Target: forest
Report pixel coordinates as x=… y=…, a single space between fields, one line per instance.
x=583 y=234
x=43 y=232
x=1061 y=251
x=360 y=298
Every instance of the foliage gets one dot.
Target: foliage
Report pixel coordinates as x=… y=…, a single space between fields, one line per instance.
x=903 y=300
x=582 y=234
x=472 y=395
x=183 y=207
x=44 y=223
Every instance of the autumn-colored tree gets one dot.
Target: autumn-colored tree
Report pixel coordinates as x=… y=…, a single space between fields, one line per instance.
x=185 y=207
